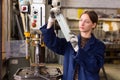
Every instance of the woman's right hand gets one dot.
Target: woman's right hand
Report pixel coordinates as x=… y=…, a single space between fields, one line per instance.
x=74 y=41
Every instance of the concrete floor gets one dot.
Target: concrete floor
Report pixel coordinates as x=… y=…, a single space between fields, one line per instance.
x=112 y=72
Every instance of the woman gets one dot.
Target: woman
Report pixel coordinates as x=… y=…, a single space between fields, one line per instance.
x=89 y=58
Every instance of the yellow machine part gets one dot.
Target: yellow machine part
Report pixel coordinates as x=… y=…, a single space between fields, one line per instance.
x=27 y=34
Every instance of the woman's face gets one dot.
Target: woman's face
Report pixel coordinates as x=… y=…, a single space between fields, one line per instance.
x=85 y=24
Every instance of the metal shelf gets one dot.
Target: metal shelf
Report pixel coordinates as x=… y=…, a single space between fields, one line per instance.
x=110 y=19
x=100 y=19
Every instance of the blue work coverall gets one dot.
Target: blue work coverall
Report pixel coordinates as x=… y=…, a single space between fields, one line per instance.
x=90 y=58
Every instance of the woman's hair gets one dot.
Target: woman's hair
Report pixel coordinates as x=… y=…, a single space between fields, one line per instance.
x=93 y=16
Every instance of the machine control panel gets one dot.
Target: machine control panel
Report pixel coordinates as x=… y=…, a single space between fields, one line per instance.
x=24 y=8
x=37 y=16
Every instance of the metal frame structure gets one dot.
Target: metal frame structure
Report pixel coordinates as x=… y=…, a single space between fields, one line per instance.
x=0 y=38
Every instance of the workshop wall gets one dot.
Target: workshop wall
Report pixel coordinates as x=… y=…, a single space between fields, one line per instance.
x=91 y=3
